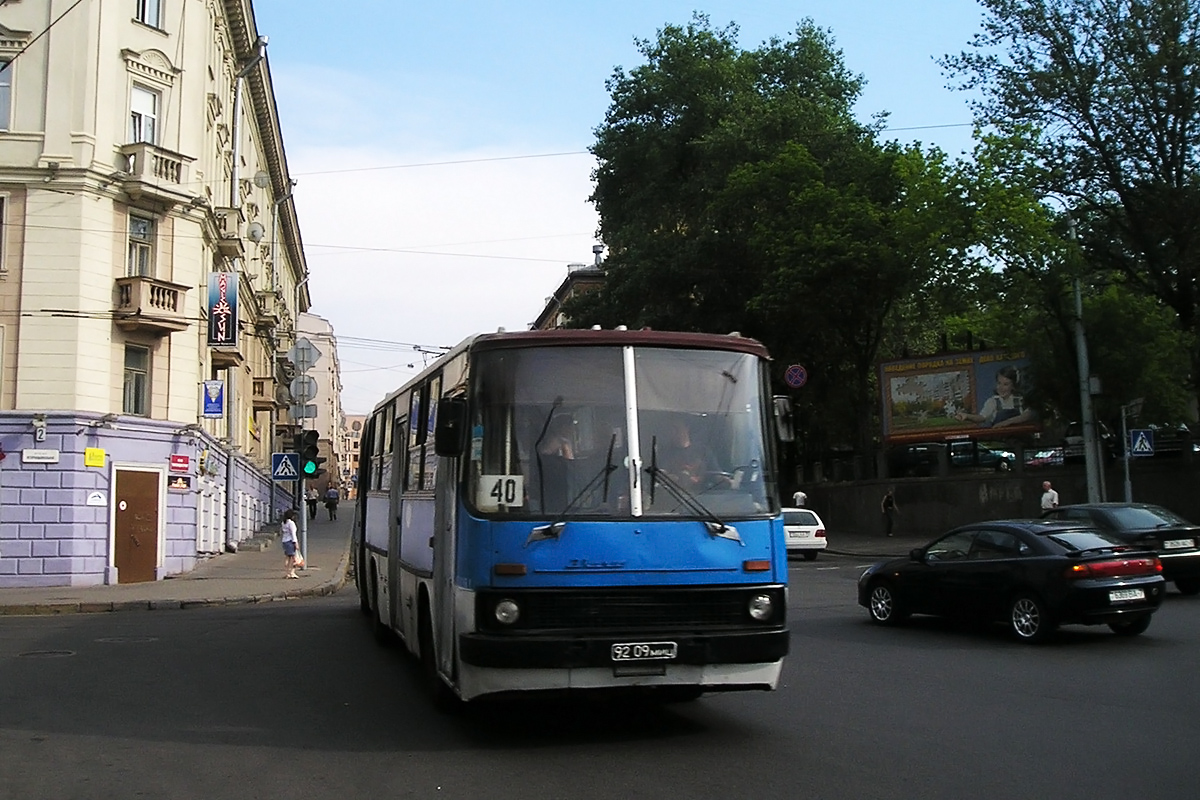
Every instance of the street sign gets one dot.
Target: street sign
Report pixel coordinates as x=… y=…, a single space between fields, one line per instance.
x=796 y=376
x=304 y=388
x=1141 y=442
x=285 y=466
x=309 y=411
x=304 y=355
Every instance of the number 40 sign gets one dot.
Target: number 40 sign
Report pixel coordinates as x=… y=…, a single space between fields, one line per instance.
x=501 y=490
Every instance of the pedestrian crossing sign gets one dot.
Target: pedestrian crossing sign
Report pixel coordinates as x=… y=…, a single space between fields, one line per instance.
x=285 y=466
x=1141 y=442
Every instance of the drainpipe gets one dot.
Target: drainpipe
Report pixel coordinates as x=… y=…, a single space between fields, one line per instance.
x=260 y=52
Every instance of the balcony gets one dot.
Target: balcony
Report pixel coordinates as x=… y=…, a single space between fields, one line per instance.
x=154 y=173
x=148 y=305
x=229 y=232
x=268 y=310
x=263 y=394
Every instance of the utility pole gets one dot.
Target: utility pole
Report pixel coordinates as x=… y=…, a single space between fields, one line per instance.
x=1087 y=415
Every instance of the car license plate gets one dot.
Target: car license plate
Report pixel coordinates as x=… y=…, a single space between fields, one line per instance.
x=644 y=651
x=1125 y=595
x=798 y=535
x=1177 y=544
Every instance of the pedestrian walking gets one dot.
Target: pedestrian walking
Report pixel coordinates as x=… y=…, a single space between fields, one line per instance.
x=889 y=508
x=332 y=495
x=287 y=539
x=1049 y=496
x=799 y=498
x=311 y=498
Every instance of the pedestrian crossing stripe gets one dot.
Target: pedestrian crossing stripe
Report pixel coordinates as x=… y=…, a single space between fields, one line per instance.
x=1141 y=444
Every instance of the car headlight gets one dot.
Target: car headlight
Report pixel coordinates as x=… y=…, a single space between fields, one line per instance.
x=507 y=612
x=761 y=607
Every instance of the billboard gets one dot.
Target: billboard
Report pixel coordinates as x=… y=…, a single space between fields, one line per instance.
x=222 y=309
x=981 y=395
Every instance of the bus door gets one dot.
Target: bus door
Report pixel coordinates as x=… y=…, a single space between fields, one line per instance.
x=445 y=539
x=395 y=493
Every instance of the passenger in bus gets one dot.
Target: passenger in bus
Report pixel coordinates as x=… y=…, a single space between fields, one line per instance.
x=687 y=461
x=555 y=454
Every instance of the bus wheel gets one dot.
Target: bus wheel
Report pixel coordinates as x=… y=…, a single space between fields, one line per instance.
x=444 y=699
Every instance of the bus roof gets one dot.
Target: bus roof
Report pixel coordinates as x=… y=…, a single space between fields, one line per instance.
x=563 y=337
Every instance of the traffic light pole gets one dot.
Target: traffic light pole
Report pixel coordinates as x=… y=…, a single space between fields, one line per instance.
x=303 y=506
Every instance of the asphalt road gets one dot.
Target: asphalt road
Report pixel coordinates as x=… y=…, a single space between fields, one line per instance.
x=295 y=700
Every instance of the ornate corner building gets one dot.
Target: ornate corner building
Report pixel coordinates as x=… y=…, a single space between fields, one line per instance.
x=151 y=279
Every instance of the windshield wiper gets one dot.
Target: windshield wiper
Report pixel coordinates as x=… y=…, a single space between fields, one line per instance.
x=714 y=524
x=555 y=528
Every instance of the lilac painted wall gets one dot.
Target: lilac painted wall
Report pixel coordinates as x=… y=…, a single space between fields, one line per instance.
x=50 y=536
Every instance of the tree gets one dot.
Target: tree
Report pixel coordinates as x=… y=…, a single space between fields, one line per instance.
x=736 y=191
x=1104 y=97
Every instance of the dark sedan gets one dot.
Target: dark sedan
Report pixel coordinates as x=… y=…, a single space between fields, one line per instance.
x=1033 y=575
x=1176 y=540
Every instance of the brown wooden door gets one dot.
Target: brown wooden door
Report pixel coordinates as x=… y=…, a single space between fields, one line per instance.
x=135 y=552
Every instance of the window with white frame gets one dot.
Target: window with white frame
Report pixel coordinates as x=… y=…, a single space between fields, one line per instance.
x=149 y=12
x=5 y=94
x=143 y=115
x=140 y=262
x=137 y=380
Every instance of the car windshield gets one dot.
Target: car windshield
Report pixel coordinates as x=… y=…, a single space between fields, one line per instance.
x=799 y=518
x=1139 y=517
x=1085 y=540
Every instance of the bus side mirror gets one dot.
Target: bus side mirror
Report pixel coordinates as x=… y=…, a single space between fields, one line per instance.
x=450 y=435
x=783 y=419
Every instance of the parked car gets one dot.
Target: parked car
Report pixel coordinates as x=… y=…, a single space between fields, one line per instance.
x=920 y=459
x=1072 y=443
x=1176 y=540
x=1044 y=458
x=1032 y=575
x=805 y=532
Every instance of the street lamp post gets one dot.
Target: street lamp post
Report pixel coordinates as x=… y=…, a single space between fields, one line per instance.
x=1087 y=415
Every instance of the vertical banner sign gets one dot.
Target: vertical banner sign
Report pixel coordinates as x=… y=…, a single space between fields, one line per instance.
x=222 y=309
x=214 y=399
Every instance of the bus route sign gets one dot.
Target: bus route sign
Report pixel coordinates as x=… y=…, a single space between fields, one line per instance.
x=796 y=376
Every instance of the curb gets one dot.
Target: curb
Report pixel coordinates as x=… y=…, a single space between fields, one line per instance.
x=331 y=586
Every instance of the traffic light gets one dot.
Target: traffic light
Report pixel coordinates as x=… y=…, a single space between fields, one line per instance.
x=310 y=459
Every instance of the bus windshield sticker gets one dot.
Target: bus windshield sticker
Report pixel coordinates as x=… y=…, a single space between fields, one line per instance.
x=497 y=491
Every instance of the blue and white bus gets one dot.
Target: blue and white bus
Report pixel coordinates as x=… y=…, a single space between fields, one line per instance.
x=576 y=510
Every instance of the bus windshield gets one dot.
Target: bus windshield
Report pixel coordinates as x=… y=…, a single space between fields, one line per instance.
x=551 y=426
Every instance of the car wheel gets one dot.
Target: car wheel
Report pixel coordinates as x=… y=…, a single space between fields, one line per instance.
x=883 y=605
x=1003 y=466
x=1132 y=627
x=381 y=632
x=1028 y=619
x=1188 y=585
x=809 y=555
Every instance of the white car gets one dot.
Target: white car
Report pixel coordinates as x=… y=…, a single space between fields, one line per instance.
x=805 y=532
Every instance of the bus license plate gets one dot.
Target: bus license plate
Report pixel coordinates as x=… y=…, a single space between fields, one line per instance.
x=644 y=651
x=1125 y=595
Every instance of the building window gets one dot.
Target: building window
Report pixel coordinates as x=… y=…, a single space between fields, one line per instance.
x=137 y=380
x=143 y=115
x=141 y=247
x=149 y=12
x=5 y=94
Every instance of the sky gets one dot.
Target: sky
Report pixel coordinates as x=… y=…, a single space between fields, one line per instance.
x=440 y=147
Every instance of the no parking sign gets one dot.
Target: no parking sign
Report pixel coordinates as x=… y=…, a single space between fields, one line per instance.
x=796 y=376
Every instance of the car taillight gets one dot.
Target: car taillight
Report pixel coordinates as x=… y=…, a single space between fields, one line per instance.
x=1116 y=568
x=820 y=533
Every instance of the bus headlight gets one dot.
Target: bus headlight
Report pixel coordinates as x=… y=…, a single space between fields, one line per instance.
x=507 y=612
x=761 y=607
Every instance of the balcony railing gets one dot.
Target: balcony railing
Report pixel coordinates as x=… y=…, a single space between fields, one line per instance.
x=155 y=172
x=150 y=305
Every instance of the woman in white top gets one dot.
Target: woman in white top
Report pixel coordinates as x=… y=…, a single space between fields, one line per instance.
x=287 y=538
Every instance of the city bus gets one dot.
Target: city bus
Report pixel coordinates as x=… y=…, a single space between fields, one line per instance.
x=579 y=510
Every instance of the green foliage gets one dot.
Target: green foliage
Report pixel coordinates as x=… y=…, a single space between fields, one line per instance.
x=1100 y=101
x=736 y=191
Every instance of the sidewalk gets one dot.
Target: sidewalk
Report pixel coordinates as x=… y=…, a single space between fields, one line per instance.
x=874 y=545
x=247 y=576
